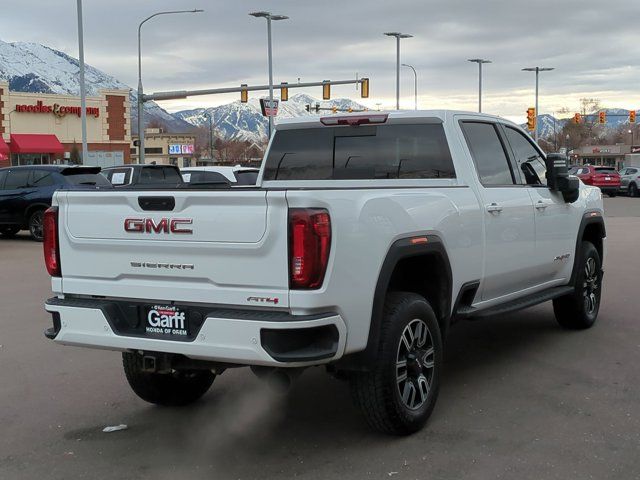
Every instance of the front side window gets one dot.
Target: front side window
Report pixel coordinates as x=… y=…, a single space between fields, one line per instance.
x=360 y=153
x=3 y=176
x=488 y=154
x=528 y=158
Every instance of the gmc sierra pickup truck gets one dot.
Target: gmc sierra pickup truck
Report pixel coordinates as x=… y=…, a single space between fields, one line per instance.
x=366 y=237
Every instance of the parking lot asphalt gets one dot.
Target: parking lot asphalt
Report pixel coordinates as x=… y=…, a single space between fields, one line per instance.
x=521 y=399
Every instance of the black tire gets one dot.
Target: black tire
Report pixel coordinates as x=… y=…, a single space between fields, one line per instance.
x=171 y=389
x=612 y=194
x=580 y=309
x=633 y=190
x=36 y=223
x=9 y=232
x=377 y=392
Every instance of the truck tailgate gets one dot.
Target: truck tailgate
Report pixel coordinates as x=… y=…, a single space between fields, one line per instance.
x=227 y=247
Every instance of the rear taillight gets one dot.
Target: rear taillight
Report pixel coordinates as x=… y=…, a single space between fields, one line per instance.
x=50 y=243
x=309 y=245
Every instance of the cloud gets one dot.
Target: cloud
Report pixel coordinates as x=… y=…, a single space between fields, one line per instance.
x=593 y=46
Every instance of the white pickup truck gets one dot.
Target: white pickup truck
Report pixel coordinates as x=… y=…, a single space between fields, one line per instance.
x=364 y=239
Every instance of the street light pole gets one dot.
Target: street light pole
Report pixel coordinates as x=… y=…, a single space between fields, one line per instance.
x=83 y=88
x=269 y=17
x=479 y=61
x=398 y=36
x=415 y=84
x=537 y=70
x=140 y=89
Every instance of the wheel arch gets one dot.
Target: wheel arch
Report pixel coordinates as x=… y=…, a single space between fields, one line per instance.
x=592 y=229
x=417 y=264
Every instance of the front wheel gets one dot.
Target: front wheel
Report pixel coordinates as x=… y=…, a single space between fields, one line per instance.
x=579 y=310
x=36 y=225
x=633 y=190
x=399 y=392
x=180 y=387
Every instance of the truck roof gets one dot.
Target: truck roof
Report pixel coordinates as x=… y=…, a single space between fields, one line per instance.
x=393 y=116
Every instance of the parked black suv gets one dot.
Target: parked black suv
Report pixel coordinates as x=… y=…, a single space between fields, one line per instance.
x=25 y=193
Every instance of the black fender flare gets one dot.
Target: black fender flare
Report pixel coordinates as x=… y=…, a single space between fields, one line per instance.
x=589 y=218
x=412 y=246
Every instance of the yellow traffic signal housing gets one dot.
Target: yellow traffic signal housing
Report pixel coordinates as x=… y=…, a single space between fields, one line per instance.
x=334 y=109
x=326 y=90
x=531 y=118
x=364 y=88
x=632 y=116
x=577 y=118
x=602 y=117
x=284 y=91
x=244 y=94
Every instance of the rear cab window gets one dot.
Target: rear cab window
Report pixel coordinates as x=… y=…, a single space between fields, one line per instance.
x=366 y=152
x=119 y=176
x=77 y=177
x=154 y=175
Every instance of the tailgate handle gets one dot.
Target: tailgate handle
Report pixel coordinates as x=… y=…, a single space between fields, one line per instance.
x=157 y=204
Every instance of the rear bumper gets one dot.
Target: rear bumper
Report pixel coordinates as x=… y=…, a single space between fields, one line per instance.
x=230 y=336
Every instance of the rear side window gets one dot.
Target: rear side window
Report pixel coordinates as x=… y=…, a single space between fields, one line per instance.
x=360 y=153
x=42 y=178
x=87 y=179
x=488 y=154
x=17 y=179
x=246 y=177
x=201 y=176
x=630 y=171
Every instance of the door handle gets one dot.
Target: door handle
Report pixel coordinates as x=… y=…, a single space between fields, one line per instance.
x=541 y=205
x=494 y=208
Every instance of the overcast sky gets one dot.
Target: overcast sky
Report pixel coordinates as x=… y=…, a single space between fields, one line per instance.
x=594 y=46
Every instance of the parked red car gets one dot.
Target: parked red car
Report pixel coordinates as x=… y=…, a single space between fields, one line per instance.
x=604 y=177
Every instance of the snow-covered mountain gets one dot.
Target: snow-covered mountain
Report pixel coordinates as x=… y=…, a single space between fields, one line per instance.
x=31 y=67
x=548 y=124
x=244 y=121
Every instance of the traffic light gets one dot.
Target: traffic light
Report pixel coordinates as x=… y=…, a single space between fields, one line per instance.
x=284 y=91
x=326 y=90
x=632 y=116
x=364 y=88
x=602 y=117
x=317 y=107
x=307 y=107
x=531 y=118
x=334 y=109
x=244 y=94
x=577 y=118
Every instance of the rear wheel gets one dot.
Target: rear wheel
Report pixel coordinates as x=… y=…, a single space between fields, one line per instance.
x=36 y=223
x=579 y=310
x=180 y=387
x=399 y=392
x=9 y=232
x=633 y=190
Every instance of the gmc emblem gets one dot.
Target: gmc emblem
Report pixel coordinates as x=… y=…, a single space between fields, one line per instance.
x=164 y=225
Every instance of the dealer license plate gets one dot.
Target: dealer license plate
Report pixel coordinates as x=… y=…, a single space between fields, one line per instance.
x=168 y=321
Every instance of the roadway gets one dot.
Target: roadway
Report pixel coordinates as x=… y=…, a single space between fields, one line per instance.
x=521 y=398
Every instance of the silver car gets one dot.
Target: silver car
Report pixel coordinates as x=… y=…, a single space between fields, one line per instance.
x=630 y=181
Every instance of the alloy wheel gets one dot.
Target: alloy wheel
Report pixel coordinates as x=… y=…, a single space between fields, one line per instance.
x=590 y=286
x=415 y=364
x=36 y=225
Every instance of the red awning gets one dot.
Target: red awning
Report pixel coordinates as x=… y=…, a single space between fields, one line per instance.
x=4 y=149
x=35 y=143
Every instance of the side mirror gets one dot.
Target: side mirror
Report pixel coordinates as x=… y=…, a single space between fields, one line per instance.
x=558 y=178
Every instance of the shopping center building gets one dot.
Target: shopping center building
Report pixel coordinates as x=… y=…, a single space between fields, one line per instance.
x=165 y=148
x=41 y=128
